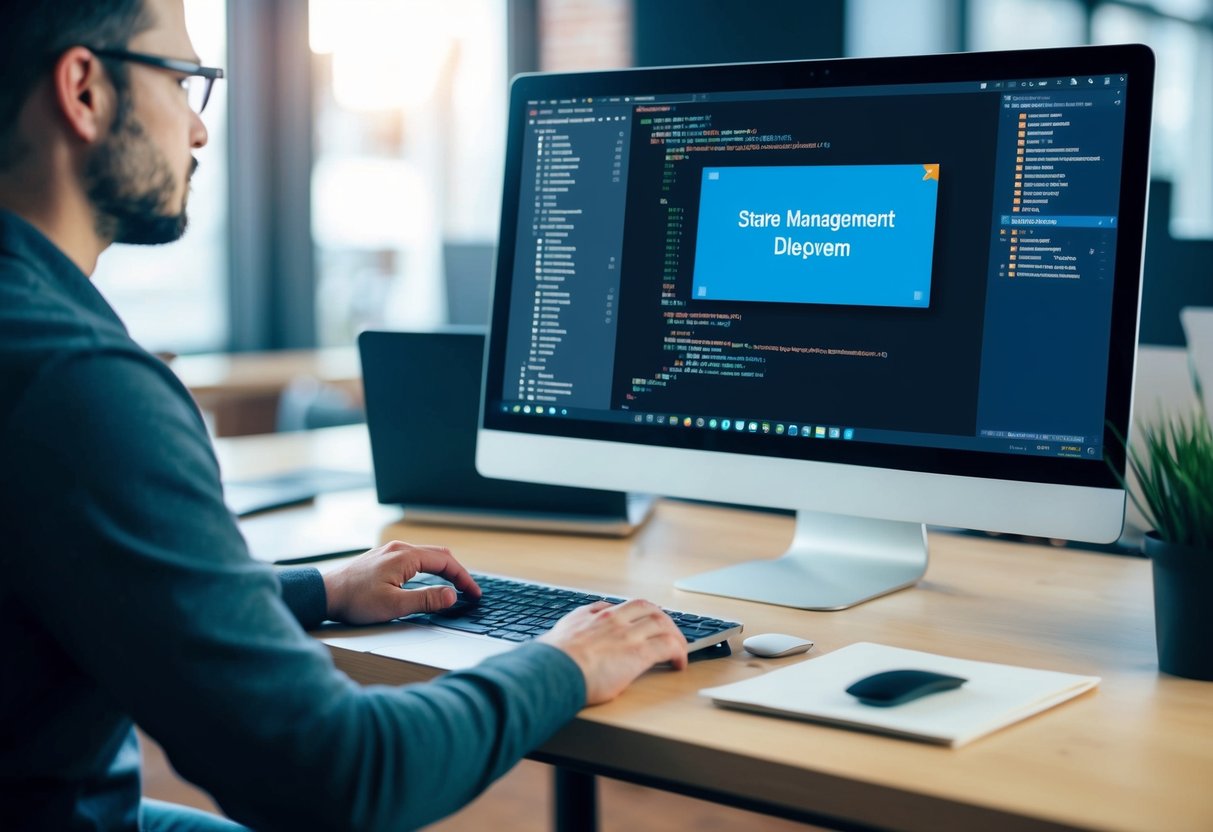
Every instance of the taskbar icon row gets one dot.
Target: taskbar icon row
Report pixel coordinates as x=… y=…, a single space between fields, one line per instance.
x=757 y=426
x=536 y=409
x=747 y=426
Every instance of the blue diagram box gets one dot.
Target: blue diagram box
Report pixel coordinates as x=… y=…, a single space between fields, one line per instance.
x=855 y=235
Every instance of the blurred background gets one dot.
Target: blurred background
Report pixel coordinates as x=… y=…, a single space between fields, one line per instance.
x=353 y=174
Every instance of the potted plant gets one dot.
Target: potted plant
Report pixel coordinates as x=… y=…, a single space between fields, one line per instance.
x=1173 y=465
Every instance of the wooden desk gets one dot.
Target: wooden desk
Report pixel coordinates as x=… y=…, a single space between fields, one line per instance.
x=241 y=390
x=1135 y=754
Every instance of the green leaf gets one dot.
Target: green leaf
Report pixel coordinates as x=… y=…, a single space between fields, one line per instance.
x=1174 y=472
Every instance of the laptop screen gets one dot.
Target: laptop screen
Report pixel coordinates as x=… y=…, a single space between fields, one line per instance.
x=923 y=260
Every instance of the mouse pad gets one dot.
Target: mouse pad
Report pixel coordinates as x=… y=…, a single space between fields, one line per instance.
x=995 y=696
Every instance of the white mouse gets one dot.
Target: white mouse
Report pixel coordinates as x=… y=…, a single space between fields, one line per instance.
x=775 y=645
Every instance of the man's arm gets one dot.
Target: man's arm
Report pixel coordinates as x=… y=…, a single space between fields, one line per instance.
x=134 y=565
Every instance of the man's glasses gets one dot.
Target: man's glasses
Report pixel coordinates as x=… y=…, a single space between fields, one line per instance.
x=198 y=79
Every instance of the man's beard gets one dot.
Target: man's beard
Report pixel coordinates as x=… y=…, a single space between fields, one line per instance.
x=131 y=186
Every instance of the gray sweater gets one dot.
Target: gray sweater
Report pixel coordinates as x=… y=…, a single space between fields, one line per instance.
x=128 y=597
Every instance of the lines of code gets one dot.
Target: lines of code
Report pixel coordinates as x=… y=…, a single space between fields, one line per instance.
x=751 y=345
x=697 y=343
x=567 y=258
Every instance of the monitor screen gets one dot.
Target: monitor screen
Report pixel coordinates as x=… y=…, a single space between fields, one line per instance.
x=922 y=265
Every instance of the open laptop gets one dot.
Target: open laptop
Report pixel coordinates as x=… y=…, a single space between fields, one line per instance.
x=422 y=401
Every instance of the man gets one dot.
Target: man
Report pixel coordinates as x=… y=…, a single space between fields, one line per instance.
x=128 y=595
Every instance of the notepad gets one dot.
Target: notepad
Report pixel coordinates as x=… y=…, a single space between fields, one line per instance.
x=996 y=695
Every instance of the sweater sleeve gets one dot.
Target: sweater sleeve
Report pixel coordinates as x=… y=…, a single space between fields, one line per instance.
x=304 y=595
x=136 y=568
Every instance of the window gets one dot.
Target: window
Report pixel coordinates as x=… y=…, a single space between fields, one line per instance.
x=584 y=34
x=410 y=101
x=1182 y=146
x=1181 y=34
x=1026 y=24
x=909 y=27
x=174 y=298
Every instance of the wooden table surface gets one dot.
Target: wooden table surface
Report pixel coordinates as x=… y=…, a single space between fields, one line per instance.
x=1134 y=754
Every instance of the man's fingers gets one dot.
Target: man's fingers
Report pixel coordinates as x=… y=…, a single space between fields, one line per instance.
x=637 y=610
x=660 y=638
x=657 y=625
x=430 y=599
x=670 y=648
x=438 y=560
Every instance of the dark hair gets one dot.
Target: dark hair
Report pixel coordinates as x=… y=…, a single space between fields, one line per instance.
x=33 y=35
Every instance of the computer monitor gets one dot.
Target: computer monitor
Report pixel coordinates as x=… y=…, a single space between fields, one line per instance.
x=881 y=292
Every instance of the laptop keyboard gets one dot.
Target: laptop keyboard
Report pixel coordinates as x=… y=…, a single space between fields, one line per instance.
x=519 y=611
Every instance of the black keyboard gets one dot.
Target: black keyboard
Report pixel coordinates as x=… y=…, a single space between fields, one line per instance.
x=520 y=611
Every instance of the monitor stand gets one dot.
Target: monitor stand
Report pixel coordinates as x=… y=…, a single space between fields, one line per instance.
x=835 y=561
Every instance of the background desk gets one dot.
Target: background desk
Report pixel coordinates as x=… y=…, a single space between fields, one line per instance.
x=1136 y=754
x=242 y=391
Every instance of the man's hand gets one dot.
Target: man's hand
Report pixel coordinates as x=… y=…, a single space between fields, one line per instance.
x=613 y=644
x=367 y=590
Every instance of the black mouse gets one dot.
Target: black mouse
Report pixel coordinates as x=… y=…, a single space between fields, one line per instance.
x=896 y=687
